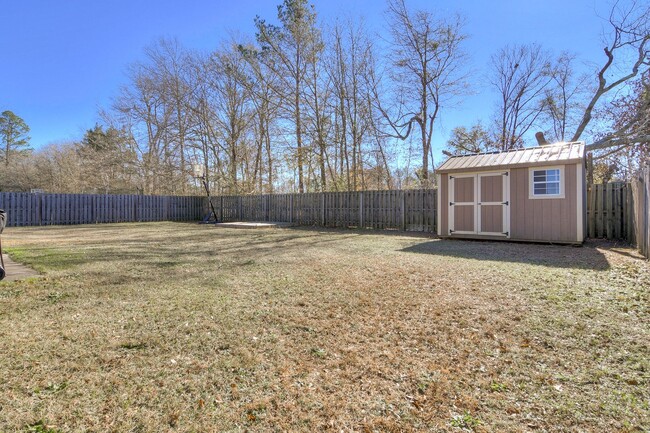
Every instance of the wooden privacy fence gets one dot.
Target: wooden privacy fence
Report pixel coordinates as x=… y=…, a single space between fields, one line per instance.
x=610 y=211
x=620 y=210
x=27 y=209
x=616 y=210
x=409 y=210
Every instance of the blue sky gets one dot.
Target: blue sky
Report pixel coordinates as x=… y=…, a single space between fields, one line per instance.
x=64 y=60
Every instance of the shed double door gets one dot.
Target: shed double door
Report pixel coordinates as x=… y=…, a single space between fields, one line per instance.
x=479 y=204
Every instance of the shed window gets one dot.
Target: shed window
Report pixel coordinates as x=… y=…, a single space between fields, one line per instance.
x=547 y=183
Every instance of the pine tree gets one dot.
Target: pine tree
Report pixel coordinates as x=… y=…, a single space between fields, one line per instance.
x=13 y=136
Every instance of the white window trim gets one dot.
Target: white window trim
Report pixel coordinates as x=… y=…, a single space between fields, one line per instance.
x=531 y=185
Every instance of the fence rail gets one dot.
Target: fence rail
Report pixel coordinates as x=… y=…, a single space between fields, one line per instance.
x=408 y=210
x=27 y=209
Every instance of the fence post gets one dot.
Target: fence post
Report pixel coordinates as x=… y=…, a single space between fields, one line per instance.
x=591 y=222
x=646 y=212
x=290 y=208
x=361 y=224
x=609 y=209
x=435 y=210
x=629 y=209
x=40 y=209
x=402 y=206
x=322 y=208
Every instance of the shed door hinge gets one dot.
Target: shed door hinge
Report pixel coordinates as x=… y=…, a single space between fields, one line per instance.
x=506 y=203
x=506 y=233
x=451 y=203
x=506 y=173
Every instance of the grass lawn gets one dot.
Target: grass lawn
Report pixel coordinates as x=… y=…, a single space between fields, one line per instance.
x=182 y=327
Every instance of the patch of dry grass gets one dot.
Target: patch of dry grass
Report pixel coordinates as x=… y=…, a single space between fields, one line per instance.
x=180 y=327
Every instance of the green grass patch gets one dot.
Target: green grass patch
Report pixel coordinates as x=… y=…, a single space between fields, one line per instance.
x=48 y=259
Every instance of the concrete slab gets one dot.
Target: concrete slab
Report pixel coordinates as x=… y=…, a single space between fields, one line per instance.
x=252 y=225
x=16 y=271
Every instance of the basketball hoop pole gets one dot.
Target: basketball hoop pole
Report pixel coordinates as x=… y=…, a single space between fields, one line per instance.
x=200 y=172
x=207 y=192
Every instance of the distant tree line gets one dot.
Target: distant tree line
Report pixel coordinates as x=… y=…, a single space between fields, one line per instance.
x=309 y=106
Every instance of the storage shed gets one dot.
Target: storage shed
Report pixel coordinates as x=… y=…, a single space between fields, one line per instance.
x=535 y=194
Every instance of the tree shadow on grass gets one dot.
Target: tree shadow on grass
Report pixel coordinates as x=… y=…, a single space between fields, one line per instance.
x=169 y=252
x=555 y=256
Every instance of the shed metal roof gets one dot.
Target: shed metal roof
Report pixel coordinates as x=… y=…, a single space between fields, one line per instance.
x=541 y=155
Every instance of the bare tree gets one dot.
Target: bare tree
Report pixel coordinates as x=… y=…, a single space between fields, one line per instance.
x=204 y=150
x=428 y=68
x=564 y=98
x=231 y=109
x=286 y=51
x=168 y=60
x=318 y=91
x=629 y=114
x=521 y=74
x=475 y=140
x=351 y=65
x=141 y=110
x=261 y=86
x=629 y=39
x=266 y=111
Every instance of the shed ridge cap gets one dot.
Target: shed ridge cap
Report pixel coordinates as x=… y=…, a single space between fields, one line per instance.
x=521 y=149
x=562 y=151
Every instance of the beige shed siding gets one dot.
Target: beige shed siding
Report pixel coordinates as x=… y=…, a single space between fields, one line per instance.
x=543 y=219
x=546 y=220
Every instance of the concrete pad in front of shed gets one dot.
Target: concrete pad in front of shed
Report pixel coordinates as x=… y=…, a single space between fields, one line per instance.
x=16 y=271
x=252 y=225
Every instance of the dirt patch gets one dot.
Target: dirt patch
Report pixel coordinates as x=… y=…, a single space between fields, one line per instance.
x=149 y=327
